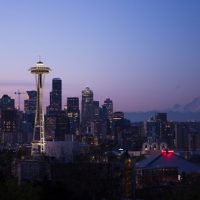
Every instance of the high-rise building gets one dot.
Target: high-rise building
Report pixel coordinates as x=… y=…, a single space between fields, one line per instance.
x=50 y=126
x=9 y=126
x=87 y=108
x=152 y=131
x=96 y=124
x=96 y=109
x=182 y=130
x=107 y=116
x=30 y=103
x=55 y=97
x=161 y=117
x=158 y=129
x=61 y=126
x=6 y=102
x=8 y=118
x=29 y=116
x=109 y=106
x=73 y=114
x=54 y=110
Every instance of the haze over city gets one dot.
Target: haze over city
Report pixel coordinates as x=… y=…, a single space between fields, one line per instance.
x=143 y=55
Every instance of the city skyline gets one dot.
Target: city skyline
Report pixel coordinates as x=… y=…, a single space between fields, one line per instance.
x=142 y=55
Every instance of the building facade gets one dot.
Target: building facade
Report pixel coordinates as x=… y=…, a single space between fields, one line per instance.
x=73 y=114
x=87 y=109
x=55 y=97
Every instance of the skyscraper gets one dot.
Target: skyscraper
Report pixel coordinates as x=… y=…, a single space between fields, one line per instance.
x=7 y=103
x=61 y=126
x=54 y=112
x=30 y=103
x=107 y=116
x=55 y=97
x=29 y=116
x=8 y=119
x=161 y=117
x=97 y=128
x=87 y=109
x=109 y=107
x=9 y=126
x=73 y=114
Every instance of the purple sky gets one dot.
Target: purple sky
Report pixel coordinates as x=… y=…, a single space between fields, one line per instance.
x=142 y=54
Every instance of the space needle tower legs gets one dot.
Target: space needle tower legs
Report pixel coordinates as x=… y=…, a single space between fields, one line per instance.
x=38 y=143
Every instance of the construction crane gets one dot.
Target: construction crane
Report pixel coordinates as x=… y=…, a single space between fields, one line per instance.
x=19 y=93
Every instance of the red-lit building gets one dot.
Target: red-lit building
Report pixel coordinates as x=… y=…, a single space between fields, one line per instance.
x=164 y=168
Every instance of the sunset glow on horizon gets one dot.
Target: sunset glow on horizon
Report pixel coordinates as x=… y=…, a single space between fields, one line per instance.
x=144 y=55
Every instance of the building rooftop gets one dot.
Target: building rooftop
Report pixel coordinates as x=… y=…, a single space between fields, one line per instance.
x=168 y=160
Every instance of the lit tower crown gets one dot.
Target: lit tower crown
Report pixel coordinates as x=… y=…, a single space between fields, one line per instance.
x=38 y=143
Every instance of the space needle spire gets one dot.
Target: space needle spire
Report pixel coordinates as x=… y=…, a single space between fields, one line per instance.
x=38 y=142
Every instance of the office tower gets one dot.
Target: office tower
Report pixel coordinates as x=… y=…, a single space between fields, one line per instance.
x=182 y=130
x=152 y=131
x=8 y=116
x=108 y=104
x=187 y=137
x=96 y=109
x=166 y=129
x=38 y=143
x=160 y=130
x=87 y=109
x=73 y=114
x=6 y=102
x=30 y=103
x=119 y=126
x=161 y=117
x=97 y=128
x=54 y=110
x=9 y=126
x=61 y=126
x=107 y=117
x=106 y=125
x=29 y=116
x=50 y=126
x=55 y=97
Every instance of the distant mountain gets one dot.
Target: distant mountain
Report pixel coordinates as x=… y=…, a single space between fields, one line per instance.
x=171 y=115
x=187 y=112
x=177 y=108
x=139 y=116
x=193 y=106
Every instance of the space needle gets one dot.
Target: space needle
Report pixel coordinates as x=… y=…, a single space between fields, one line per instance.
x=38 y=142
